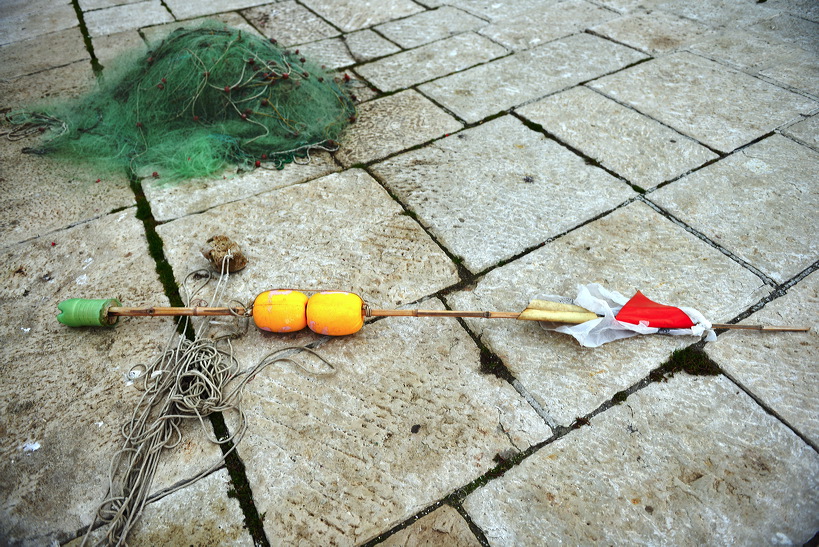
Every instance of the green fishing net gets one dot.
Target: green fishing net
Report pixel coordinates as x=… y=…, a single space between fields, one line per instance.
x=203 y=99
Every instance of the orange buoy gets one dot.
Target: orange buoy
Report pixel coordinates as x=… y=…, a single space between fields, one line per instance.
x=335 y=313
x=281 y=310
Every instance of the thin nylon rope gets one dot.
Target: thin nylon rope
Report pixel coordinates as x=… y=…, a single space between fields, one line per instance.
x=191 y=379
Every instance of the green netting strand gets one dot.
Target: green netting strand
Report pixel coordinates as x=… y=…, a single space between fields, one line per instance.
x=202 y=99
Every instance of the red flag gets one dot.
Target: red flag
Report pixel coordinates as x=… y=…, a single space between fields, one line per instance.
x=660 y=316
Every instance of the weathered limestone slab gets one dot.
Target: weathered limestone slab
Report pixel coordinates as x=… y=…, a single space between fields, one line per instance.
x=342 y=231
x=430 y=61
x=711 y=103
x=495 y=11
x=332 y=53
x=199 y=514
x=806 y=131
x=717 y=13
x=156 y=33
x=807 y=9
x=637 y=148
x=126 y=17
x=429 y=26
x=36 y=54
x=787 y=28
x=758 y=204
x=64 y=393
x=39 y=194
x=444 y=526
x=689 y=462
x=406 y=418
x=633 y=248
x=780 y=370
x=42 y=87
x=350 y=15
x=169 y=201
x=110 y=47
x=655 y=33
x=391 y=124
x=366 y=45
x=88 y=5
x=539 y=25
x=517 y=196
x=26 y=20
x=780 y=62
x=499 y=85
x=289 y=23
x=184 y=9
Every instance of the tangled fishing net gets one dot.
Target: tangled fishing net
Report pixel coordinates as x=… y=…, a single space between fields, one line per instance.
x=203 y=99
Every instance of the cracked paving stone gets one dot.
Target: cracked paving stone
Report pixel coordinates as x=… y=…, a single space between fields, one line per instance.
x=502 y=84
x=67 y=395
x=709 y=102
x=366 y=45
x=779 y=368
x=634 y=248
x=351 y=15
x=517 y=198
x=126 y=17
x=805 y=131
x=756 y=203
x=289 y=23
x=444 y=526
x=35 y=54
x=655 y=33
x=688 y=462
x=429 y=26
x=185 y=9
x=406 y=419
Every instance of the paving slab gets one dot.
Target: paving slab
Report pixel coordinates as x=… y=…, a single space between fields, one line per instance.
x=390 y=124
x=156 y=33
x=339 y=232
x=39 y=195
x=200 y=514
x=790 y=29
x=780 y=370
x=717 y=106
x=111 y=48
x=656 y=32
x=65 y=393
x=406 y=419
x=126 y=17
x=691 y=461
x=633 y=248
x=717 y=13
x=492 y=10
x=289 y=23
x=169 y=201
x=88 y=5
x=531 y=28
x=184 y=9
x=511 y=81
x=430 y=26
x=782 y=63
x=807 y=9
x=366 y=45
x=37 y=54
x=430 y=61
x=332 y=53
x=517 y=180
x=756 y=203
x=444 y=526
x=805 y=131
x=27 y=20
x=639 y=149
x=41 y=88
x=351 y=15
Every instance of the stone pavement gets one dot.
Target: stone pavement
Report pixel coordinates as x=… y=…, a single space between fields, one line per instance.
x=503 y=149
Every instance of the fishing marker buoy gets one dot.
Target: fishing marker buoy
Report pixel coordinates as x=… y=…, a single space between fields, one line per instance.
x=280 y=311
x=87 y=312
x=335 y=313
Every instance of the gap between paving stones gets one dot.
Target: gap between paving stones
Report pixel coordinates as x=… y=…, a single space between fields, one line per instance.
x=89 y=47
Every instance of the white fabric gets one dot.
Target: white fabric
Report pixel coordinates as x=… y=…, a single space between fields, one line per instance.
x=607 y=304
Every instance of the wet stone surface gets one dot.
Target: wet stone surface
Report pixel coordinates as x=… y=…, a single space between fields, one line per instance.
x=661 y=259
x=700 y=98
x=770 y=181
x=516 y=176
x=776 y=368
x=499 y=85
x=691 y=446
x=635 y=147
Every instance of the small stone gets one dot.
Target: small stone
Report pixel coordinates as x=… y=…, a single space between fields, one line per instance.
x=220 y=248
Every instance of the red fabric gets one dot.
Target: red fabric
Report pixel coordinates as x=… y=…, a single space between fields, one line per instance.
x=660 y=316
